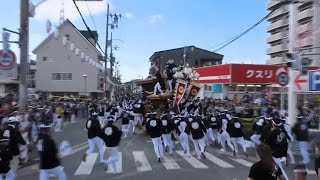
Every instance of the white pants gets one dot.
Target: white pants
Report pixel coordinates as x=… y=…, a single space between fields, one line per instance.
x=24 y=150
x=241 y=141
x=256 y=139
x=157 y=145
x=73 y=118
x=113 y=157
x=290 y=153
x=303 y=145
x=99 y=142
x=170 y=85
x=9 y=176
x=58 y=124
x=210 y=135
x=57 y=171
x=278 y=161
x=34 y=132
x=14 y=164
x=157 y=87
x=184 y=141
x=168 y=142
x=125 y=129
x=138 y=118
x=132 y=126
x=199 y=145
x=225 y=137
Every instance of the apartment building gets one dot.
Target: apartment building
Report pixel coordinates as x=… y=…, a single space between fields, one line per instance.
x=305 y=21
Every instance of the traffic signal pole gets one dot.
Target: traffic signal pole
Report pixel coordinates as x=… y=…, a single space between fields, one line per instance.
x=292 y=97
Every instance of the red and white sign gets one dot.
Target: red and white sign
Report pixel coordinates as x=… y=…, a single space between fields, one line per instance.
x=220 y=74
x=256 y=74
x=180 y=90
x=8 y=60
x=240 y=74
x=299 y=82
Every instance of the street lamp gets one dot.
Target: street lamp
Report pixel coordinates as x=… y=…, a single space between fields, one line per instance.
x=85 y=83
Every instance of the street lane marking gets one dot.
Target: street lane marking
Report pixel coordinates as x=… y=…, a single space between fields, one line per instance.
x=118 y=166
x=243 y=162
x=141 y=161
x=192 y=160
x=85 y=168
x=169 y=163
x=218 y=161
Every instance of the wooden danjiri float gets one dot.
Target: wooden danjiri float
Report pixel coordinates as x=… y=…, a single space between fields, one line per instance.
x=185 y=90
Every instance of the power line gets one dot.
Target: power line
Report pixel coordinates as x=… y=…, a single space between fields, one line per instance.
x=94 y=23
x=89 y=30
x=249 y=29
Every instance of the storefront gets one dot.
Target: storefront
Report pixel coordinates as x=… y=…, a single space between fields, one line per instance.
x=236 y=79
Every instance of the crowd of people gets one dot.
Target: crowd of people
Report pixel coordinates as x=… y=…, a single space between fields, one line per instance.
x=204 y=121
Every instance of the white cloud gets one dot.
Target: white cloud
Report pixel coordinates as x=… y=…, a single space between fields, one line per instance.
x=51 y=9
x=238 y=61
x=156 y=18
x=128 y=15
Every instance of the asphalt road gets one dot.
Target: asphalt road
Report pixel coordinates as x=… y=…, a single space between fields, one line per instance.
x=138 y=161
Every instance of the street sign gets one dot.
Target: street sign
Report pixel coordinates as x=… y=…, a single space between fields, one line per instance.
x=299 y=82
x=314 y=81
x=283 y=79
x=7 y=60
x=8 y=65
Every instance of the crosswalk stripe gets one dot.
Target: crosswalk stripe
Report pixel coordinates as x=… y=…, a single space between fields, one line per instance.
x=170 y=164
x=218 y=161
x=141 y=161
x=118 y=165
x=243 y=162
x=85 y=168
x=192 y=160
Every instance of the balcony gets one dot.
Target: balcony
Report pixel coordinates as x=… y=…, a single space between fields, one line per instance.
x=276 y=60
x=308 y=41
x=275 y=37
x=276 y=25
x=279 y=12
x=306 y=14
x=273 y=4
x=276 y=49
x=305 y=28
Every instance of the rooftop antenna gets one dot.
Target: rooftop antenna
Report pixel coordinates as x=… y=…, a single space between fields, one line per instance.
x=62 y=12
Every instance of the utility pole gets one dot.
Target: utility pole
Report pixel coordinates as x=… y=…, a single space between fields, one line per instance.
x=24 y=49
x=111 y=56
x=106 y=55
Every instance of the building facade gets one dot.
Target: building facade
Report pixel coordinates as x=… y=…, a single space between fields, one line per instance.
x=306 y=21
x=195 y=57
x=61 y=71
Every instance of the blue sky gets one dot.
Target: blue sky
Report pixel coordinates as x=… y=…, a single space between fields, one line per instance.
x=154 y=25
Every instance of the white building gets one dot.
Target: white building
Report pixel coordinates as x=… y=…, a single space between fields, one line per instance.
x=60 y=71
x=306 y=19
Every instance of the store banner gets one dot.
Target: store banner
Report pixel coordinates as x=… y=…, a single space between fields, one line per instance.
x=181 y=87
x=193 y=91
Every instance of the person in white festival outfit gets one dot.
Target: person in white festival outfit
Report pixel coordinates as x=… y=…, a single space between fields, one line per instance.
x=183 y=132
x=111 y=136
x=94 y=132
x=198 y=132
x=49 y=155
x=237 y=135
x=166 y=136
x=154 y=128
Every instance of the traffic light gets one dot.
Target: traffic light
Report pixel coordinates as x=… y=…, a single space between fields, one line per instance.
x=294 y=60
x=304 y=66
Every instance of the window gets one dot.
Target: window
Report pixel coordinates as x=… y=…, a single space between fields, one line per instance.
x=62 y=76
x=44 y=58
x=67 y=36
x=286 y=32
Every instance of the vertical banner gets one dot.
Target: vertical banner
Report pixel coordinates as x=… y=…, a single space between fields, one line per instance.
x=193 y=91
x=181 y=87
